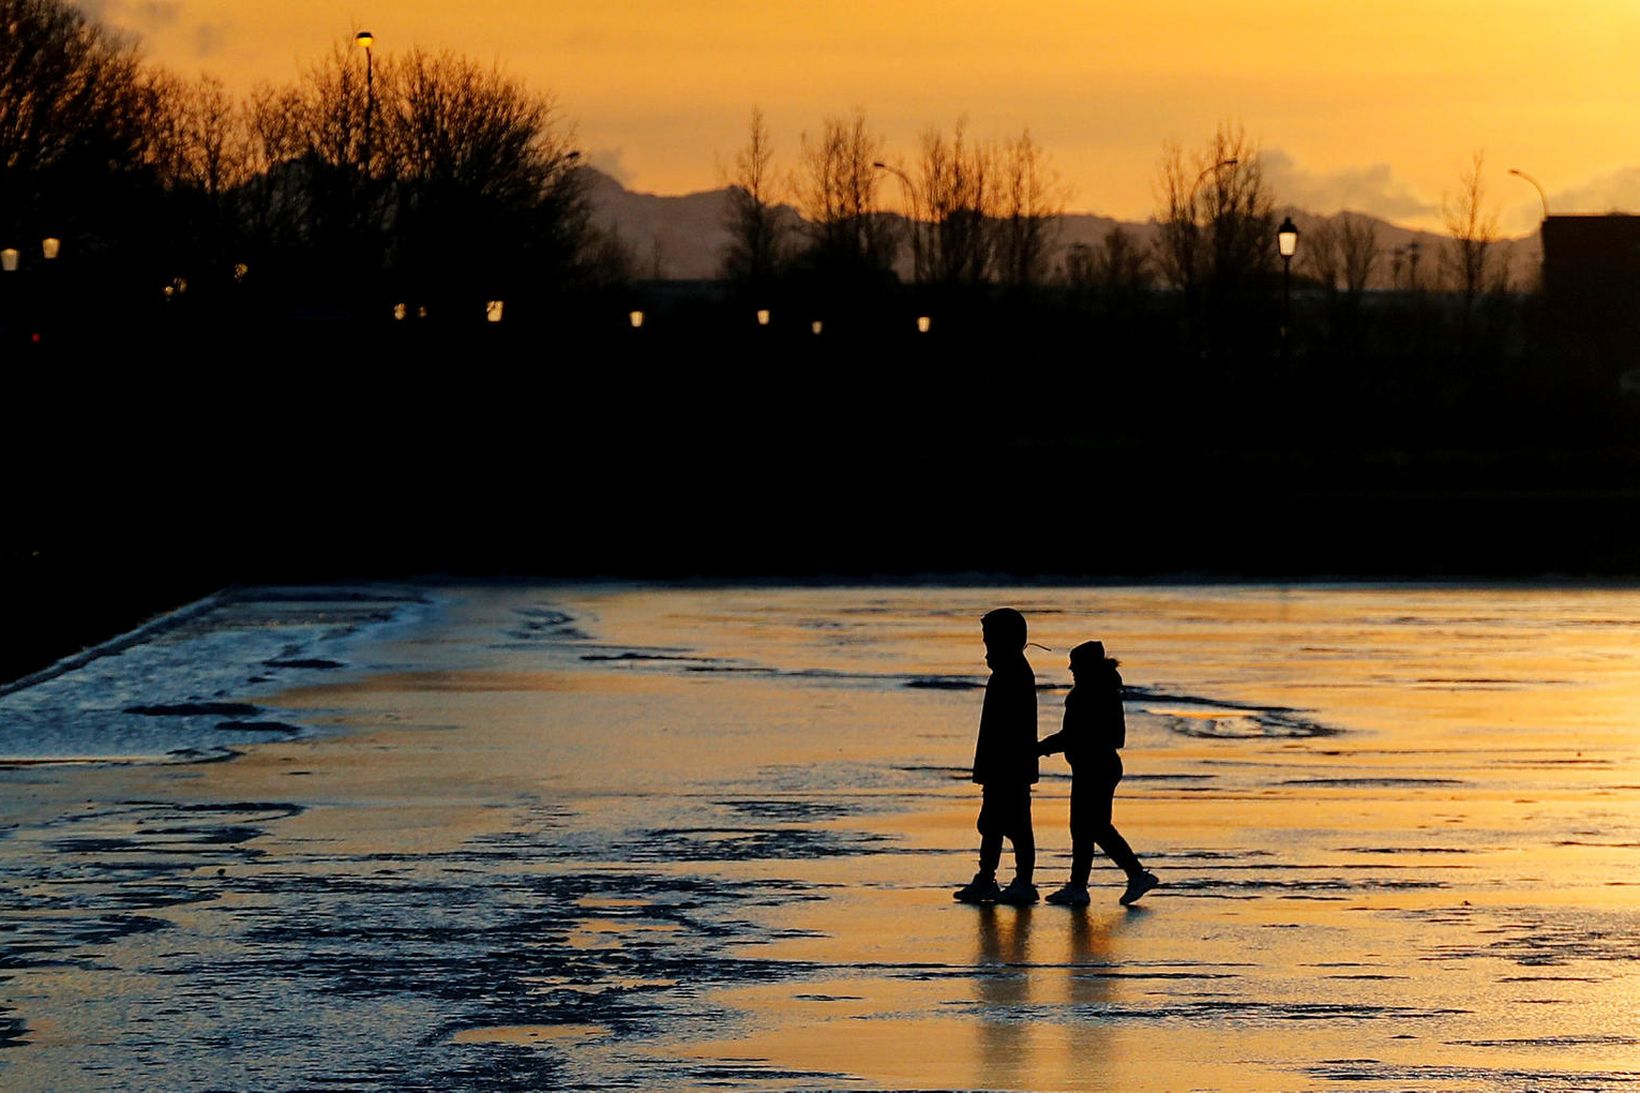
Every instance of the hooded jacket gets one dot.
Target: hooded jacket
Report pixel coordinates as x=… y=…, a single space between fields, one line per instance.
x=1006 y=751
x=1095 y=726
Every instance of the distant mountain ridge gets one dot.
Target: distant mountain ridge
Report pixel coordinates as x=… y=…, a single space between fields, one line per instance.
x=683 y=237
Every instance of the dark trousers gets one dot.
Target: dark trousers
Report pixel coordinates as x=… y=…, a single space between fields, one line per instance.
x=1092 y=790
x=1005 y=812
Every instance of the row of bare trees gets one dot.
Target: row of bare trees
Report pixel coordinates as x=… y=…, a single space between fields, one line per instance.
x=979 y=212
x=439 y=167
x=974 y=212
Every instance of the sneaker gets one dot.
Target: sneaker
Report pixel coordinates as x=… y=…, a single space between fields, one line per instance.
x=1072 y=895
x=1019 y=893
x=982 y=889
x=1138 y=886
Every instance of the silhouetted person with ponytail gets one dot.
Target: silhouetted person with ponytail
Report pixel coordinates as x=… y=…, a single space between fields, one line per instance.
x=1094 y=729
x=1005 y=763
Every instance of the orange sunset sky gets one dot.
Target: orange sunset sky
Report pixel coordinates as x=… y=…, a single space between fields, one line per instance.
x=1365 y=105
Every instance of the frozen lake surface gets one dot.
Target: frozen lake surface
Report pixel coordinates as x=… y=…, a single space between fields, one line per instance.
x=625 y=837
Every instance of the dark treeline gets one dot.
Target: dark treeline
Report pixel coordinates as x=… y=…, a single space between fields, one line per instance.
x=433 y=180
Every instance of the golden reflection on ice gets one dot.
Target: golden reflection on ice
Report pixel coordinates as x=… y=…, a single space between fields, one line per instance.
x=1397 y=828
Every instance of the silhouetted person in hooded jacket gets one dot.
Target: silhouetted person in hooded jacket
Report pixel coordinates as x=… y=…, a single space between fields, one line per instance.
x=1005 y=763
x=1094 y=729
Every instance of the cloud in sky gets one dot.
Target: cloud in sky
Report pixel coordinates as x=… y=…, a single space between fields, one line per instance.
x=155 y=21
x=1370 y=189
x=1618 y=191
x=209 y=39
x=611 y=161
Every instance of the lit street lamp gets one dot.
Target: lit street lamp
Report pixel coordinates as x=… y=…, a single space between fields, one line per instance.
x=365 y=40
x=762 y=316
x=8 y=259
x=636 y=319
x=1287 y=243
x=49 y=246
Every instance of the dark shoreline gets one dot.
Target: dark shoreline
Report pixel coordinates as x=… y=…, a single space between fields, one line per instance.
x=328 y=456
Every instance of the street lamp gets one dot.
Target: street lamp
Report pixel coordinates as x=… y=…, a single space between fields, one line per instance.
x=365 y=40
x=1542 y=198
x=923 y=323
x=911 y=218
x=1414 y=249
x=1287 y=243
x=49 y=246
x=8 y=259
x=1213 y=170
x=1189 y=209
x=816 y=326
x=636 y=319
x=762 y=316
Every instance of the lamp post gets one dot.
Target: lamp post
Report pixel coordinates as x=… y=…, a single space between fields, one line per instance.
x=1542 y=197
x=1287 y=243
x=911 y=217
x=1414 y=249
x=49 y=247
x=365 y=39
x=8 y=259
x=1190 y=210
x=1213 y=170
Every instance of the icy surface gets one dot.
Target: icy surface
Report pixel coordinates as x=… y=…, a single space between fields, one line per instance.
x=612 y=837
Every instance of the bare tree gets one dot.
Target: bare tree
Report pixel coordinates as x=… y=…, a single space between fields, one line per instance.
x=1031 y=201
x=481 y=175
x=756 y=245
x=201 y=148
x=1122 y=267
x=74 y=113
x=1468 y=261
x=836 y=188
x=274 y=199
x=1117 y=270
x=955 y=191
x=1359 y=251
x=1322 y=255
x=1216 y=217
x=334 y=100
x=201 y=138
x=1178 y=242
x=1342 y=253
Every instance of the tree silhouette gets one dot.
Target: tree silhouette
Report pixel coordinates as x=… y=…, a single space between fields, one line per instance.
x=1470 y=261
x=1342 y=253
x=74 y=126
x=756 y=247
x=1029 y=204
x=1216 y=237
x=849 y=240
x=481 y=182
x=955 y=208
